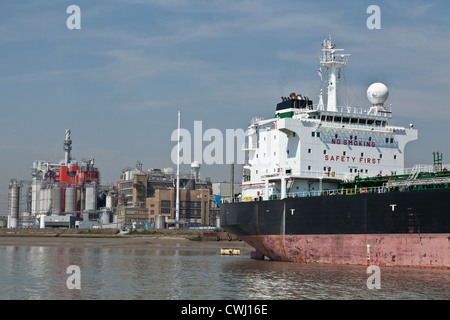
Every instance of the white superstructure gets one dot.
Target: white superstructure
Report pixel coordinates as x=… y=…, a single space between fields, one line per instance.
x=309 y=148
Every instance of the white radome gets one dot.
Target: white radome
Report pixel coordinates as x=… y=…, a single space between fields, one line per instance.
x=377 y=93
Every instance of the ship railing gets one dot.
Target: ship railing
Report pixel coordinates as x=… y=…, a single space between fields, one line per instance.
x=332 y=192
x=313 y=193
x=250 y=146
x=293 y=173
x=256 y=120
x=419 y=182
x=418 y=168
x=326 y=124
x=363 y=111
x=425 y=168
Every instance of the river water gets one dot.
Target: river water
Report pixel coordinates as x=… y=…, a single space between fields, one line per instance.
x=189 y=270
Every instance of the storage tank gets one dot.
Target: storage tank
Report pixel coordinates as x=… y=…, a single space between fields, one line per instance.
x=109 y=201
x=57 y=200
x=13 y=203
x=70 y=200
x=26 y=219
x=104 y=216
x=42 y=221
x=218 y=222
x=47 y=197
x=91 y=198
x=41 y=202
x=48 y=200
x=43 y=207
x=160 y=222
x=35 y=196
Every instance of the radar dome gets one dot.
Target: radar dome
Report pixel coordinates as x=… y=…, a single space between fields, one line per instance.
x=377 y=93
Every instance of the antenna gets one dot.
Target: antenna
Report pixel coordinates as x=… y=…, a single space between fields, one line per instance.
x=177 y=207
x=333 y=62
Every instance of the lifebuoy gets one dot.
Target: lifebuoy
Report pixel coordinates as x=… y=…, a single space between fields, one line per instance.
x=363 y=190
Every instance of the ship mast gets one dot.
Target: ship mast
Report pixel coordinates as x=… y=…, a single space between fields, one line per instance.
x=333 y=62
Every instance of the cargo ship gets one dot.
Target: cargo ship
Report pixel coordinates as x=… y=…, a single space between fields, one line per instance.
x=324 y=183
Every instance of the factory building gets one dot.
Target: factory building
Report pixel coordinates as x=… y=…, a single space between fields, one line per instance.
x=65 y=188
x=148 y=198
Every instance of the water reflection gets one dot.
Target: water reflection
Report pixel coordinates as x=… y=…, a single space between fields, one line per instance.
x=197 y=271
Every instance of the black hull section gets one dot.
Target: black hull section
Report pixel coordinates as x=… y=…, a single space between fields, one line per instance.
x=425 y=211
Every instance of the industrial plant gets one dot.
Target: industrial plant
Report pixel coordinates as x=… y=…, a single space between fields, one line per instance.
x=68 y=194
x=62 y=194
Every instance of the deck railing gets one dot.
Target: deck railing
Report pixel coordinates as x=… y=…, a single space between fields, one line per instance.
x=343 y=191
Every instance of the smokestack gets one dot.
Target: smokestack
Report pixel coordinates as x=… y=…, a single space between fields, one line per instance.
x=67 y=147
x=232 y=182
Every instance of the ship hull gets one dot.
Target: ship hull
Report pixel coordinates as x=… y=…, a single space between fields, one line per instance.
x=410 y=229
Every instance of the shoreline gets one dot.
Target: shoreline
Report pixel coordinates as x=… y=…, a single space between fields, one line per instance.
x=110 y=239
x=89 y=242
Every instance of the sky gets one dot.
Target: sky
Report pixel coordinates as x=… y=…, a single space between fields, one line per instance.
x=119 y=81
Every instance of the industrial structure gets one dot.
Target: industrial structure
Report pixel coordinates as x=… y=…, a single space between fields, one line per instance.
x=63 y=194
x=148 y=199
x=69 y=194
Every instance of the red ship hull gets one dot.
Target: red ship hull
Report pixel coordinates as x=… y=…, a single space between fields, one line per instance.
x=402 y=250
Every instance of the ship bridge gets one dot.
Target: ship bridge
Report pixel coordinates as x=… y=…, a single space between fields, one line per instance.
x=308 y=147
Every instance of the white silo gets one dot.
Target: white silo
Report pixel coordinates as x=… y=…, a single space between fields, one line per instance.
x=109 y=201
x=70 y=200
x=13 y=203
x=35 y=196
x=91 y=198
x=57 y=197
x=104 y=216
x=195 y=170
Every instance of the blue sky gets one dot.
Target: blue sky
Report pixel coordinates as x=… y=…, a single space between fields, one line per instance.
x=119 y=81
